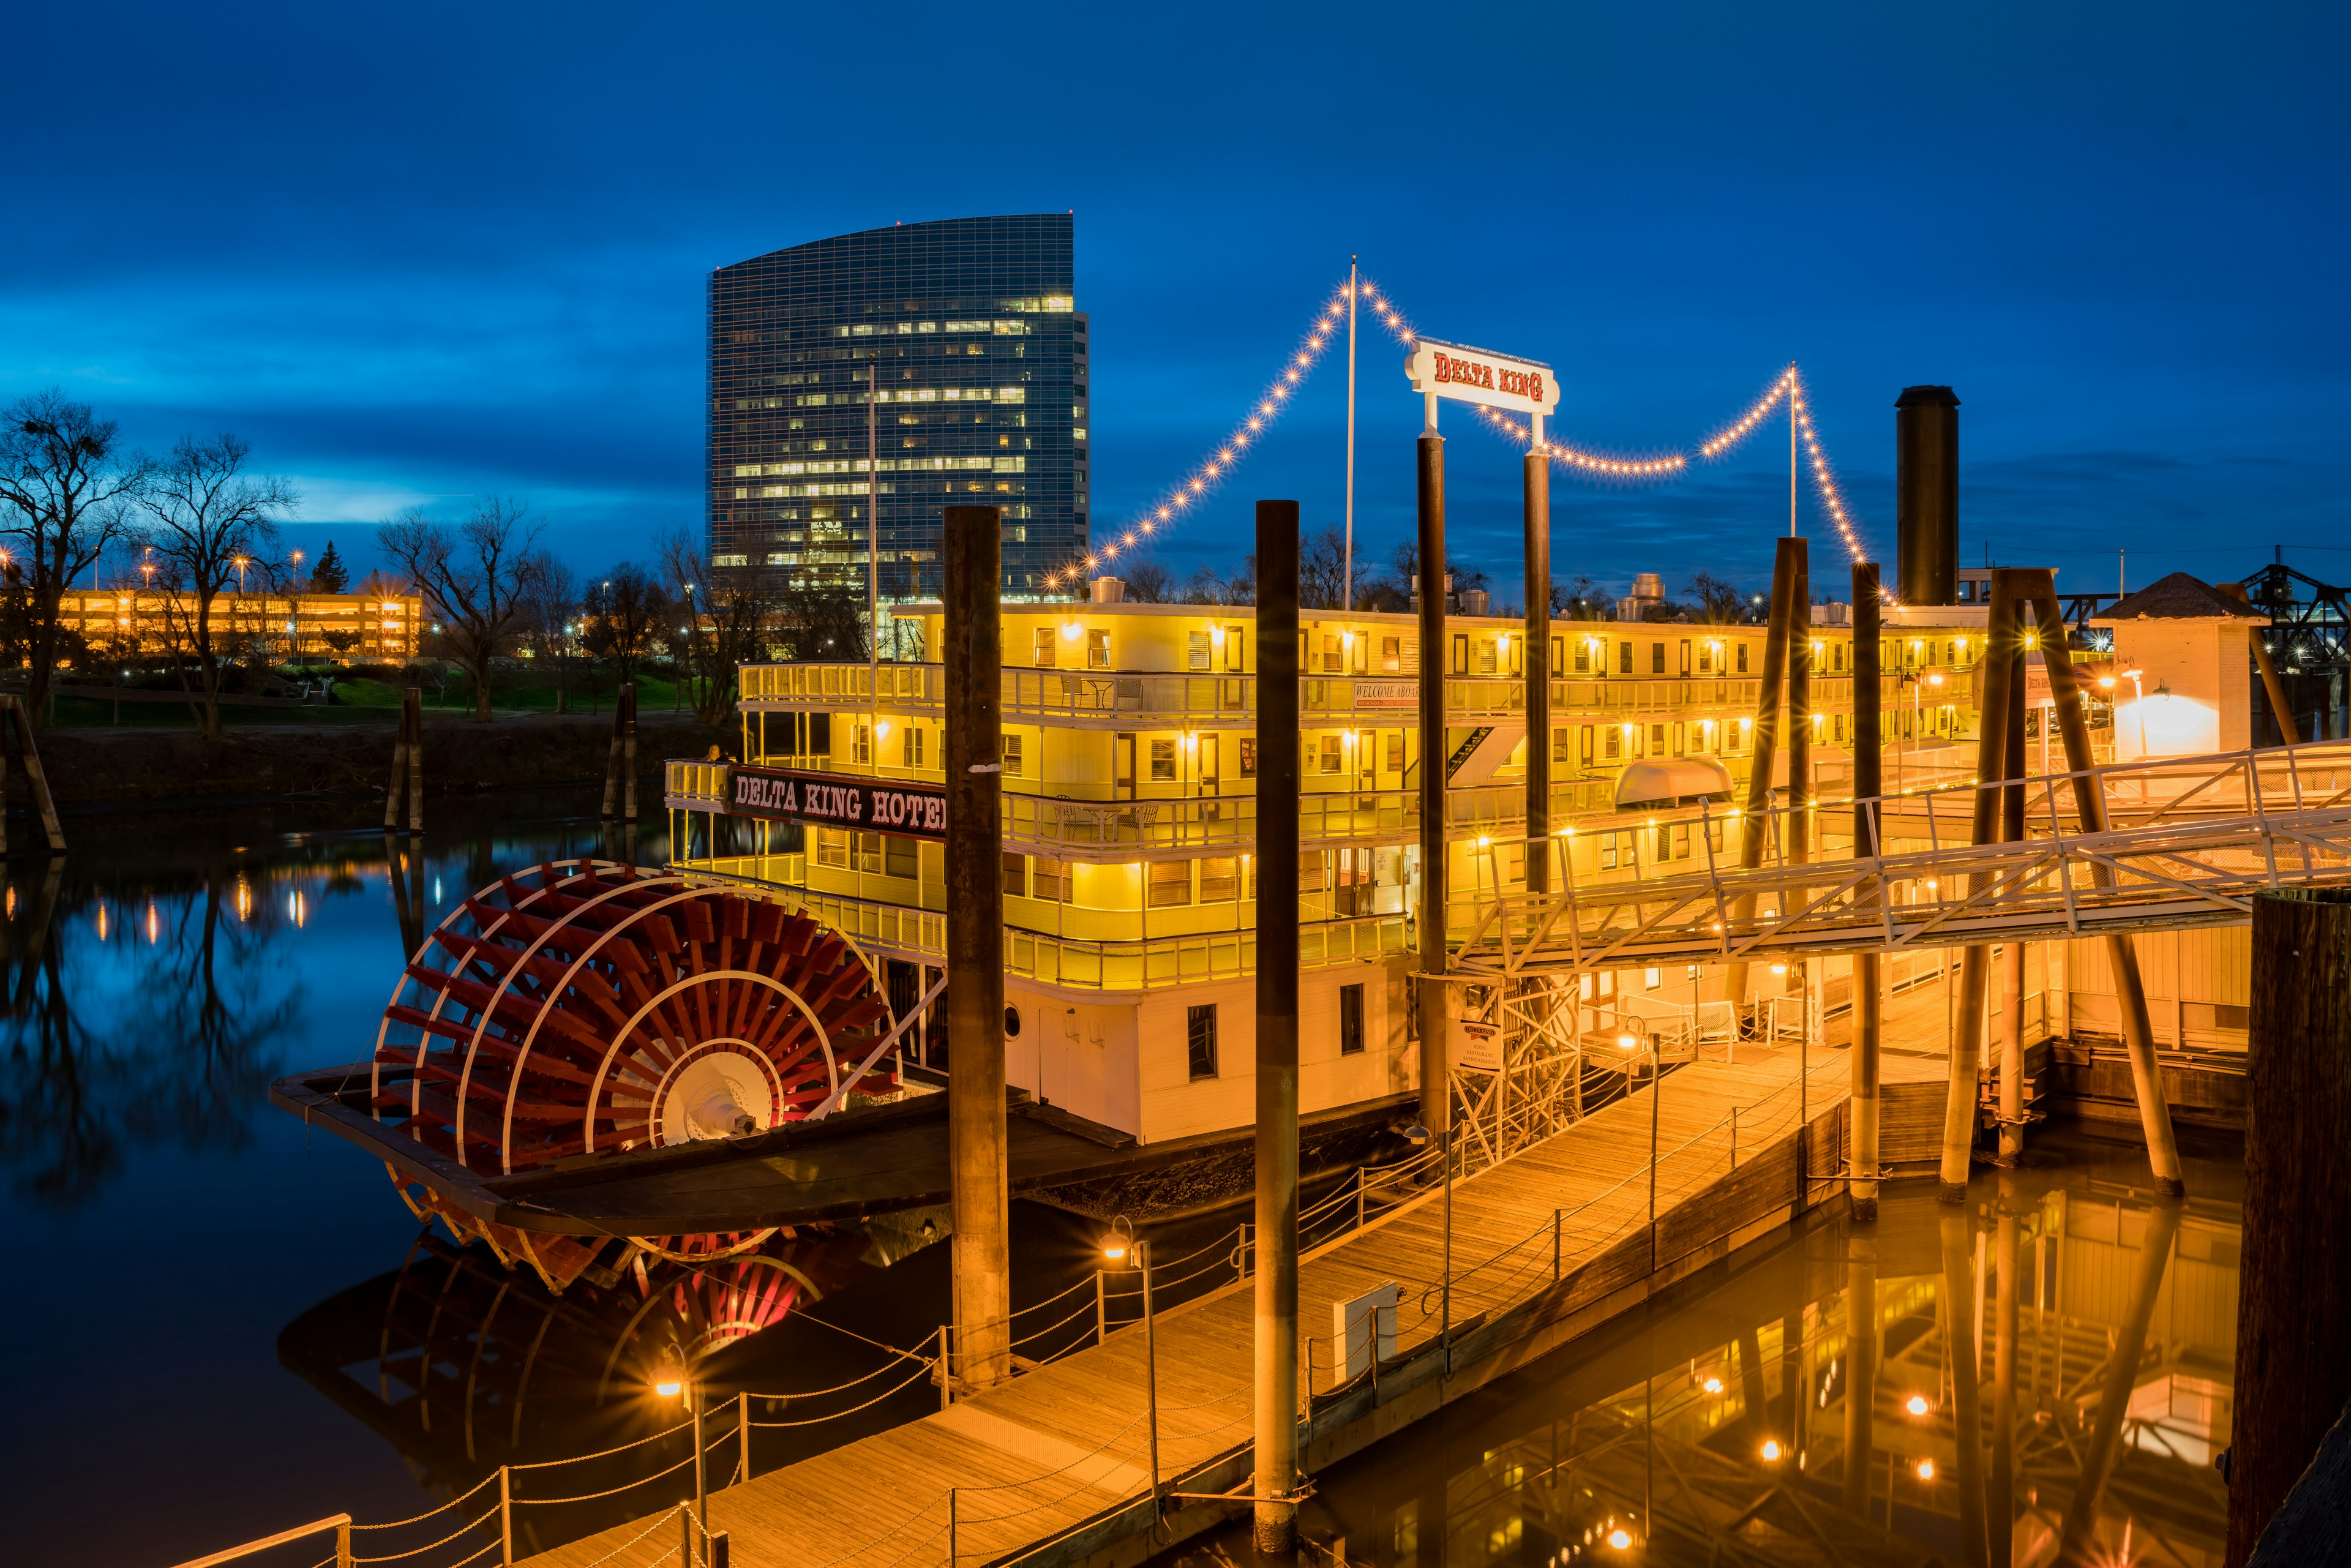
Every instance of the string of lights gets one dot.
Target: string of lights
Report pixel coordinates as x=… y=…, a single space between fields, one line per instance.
x=1189 y=493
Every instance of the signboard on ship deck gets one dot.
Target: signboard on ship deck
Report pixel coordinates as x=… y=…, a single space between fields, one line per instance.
x=779 y=795
x=1465 y=374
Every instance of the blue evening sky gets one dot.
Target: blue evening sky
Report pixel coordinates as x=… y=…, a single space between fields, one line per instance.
x=418 y=254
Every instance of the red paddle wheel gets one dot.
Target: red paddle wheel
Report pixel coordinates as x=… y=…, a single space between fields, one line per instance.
x=580 y=1010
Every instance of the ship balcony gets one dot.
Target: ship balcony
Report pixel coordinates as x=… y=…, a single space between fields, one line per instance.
x=1128 y=966
x=1082 y=699
x=1126 y=828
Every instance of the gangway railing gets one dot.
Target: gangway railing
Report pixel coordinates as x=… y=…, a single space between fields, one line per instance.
x=2203 y=835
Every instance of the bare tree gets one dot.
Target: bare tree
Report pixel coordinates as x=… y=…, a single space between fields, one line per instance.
x=470 y=577
x=725 y=618
x=1207 y=588
x=209 y=524
x=1577 y=599
x=1721 y=603
x=1322 y=569
x=550 y=619
x=67 y=489
x=626 y=609
x=1148 y=582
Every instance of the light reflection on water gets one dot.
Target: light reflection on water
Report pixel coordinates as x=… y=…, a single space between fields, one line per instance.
x=162 y=1222
x=2068 y=1307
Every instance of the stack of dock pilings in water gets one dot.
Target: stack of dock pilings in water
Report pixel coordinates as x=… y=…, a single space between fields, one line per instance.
x=2024 y=611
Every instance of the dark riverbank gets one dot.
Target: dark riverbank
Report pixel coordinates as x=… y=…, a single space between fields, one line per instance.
x=101 y=768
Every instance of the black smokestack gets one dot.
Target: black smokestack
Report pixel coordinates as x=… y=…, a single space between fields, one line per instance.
x=1926 y=495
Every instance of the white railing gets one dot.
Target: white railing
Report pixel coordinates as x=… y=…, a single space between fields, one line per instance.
x=2201 y=835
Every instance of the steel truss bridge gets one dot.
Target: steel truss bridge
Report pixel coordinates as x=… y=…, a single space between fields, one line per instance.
x=2189 y=841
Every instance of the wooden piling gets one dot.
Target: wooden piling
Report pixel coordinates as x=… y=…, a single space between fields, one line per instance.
x=37 y=781
x=397 y=785
x=978 y=1175
x=1754 y=823
x=1536 y=670
x=1276 y=1283
x=1800 y=710
x=2015 y=769
x=1991 y=745
x=626 y=710
x=1868 y=783
x=1428 y=990
x=415 y=698
x=2294 y=1294
x=2090 y=810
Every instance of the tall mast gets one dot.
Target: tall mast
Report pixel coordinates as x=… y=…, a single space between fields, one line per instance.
x=1347 y=563
x=872 y=576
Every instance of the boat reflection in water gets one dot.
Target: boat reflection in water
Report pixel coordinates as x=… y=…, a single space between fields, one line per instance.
x=466 y=1366
x=2042 y=1377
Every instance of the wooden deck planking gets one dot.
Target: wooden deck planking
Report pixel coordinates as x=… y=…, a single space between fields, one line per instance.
x=829 y=1511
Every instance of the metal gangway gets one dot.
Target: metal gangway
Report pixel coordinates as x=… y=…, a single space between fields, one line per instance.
x=2189 y=841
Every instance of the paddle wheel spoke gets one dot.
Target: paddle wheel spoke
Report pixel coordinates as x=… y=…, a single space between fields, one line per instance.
x=587 y=1008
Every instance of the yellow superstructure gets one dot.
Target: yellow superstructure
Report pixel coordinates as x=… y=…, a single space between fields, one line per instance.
x=1129 y=781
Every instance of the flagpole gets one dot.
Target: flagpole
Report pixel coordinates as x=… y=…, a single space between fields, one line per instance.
x=1347 y=564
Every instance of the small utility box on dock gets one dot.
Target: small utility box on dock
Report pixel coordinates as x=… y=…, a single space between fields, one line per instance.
x=1353 y=1324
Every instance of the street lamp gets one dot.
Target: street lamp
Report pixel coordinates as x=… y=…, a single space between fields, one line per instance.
x=672 y=1378
x=1122 y=1248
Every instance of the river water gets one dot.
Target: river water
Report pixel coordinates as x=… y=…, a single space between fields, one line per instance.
x=223 y=1323
x=1840 y=1397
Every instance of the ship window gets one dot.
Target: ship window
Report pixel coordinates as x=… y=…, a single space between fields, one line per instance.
x=1249 y=756
x=1232 y=647
x=1486 y=662
x=1013 y=750
x=1196 y=652
x=1044 y=647
x=1220 y=880
x=901 y=857
x=1050 y=881
x=1171 y=884
x=1743 y=658
x=1391 y=654
x=1657 y=658
x=1395 y=751
x=1015 y=876
x=910 y=747
x=1097 y=650
x=1351 y=1020
x=1200 y=1040
x=833 y=848
x=1332 y=762
x=1310 y=870
x=1162 y=761
x=1624 y=658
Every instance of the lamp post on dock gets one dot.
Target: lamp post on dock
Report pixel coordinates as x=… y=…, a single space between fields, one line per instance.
x=1122 y=1246
x=674 y=1378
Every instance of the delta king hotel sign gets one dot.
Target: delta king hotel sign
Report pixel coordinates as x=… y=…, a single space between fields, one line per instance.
x=1477 y=375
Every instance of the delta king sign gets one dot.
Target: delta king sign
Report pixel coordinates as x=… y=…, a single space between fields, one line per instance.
x=1475 y=375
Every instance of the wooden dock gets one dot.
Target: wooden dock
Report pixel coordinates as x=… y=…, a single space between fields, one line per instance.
x=1052 y=1467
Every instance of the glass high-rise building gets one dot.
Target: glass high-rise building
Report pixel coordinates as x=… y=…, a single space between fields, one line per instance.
x=977 y=352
